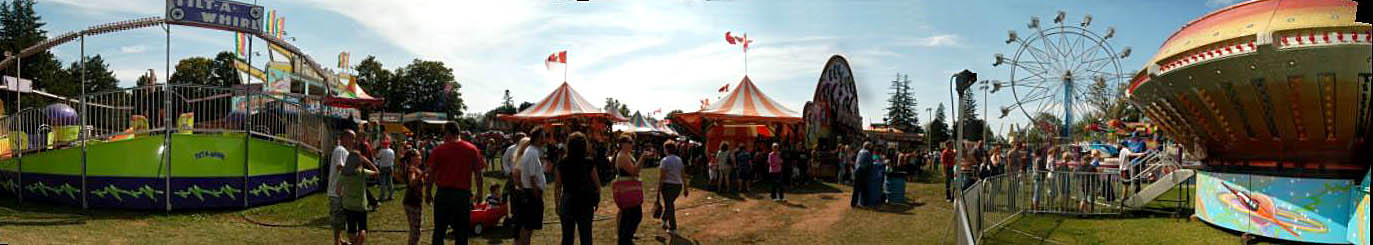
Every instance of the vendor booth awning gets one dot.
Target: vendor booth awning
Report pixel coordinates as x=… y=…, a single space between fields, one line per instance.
x=395 y=128
x=563 y=103
x=351 y=95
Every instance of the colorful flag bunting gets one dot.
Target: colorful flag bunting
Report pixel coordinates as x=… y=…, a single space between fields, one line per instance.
x=343 y=60
x=271 y=23
x=281 y=29
x=241 y=44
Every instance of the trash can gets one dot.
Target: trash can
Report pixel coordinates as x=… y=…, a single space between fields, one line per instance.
x=896 y=189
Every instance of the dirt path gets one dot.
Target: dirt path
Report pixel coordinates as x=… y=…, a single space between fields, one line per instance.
x=823 y=219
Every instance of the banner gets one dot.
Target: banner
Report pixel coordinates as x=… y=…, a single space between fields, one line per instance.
x=21 y=85
x=278 y=77
x=217 y=14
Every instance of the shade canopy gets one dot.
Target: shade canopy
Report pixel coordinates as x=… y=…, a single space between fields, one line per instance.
x=563 y=103
x=350 y=95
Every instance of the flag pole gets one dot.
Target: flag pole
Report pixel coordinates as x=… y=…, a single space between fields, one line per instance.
x=565 y=66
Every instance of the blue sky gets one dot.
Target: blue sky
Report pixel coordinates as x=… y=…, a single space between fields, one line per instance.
x=664 y=54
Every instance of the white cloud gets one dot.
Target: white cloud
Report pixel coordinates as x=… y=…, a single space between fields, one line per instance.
x=1220 y=3
x=608 y=45
x=113 y=7
x=945 y=40
x=133 y=49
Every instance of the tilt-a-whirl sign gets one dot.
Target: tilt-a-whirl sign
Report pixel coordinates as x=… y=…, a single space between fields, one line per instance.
x=216 y=14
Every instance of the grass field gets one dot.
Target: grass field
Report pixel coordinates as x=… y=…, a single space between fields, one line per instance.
x=815 y=214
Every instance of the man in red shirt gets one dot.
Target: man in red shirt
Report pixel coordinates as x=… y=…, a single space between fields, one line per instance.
x=946 y=157
x=452 y=166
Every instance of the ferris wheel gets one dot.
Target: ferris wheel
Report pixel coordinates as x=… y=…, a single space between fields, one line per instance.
x=1055 y=68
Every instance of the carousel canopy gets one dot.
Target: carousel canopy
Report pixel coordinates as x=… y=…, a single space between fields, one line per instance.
x=563 y=103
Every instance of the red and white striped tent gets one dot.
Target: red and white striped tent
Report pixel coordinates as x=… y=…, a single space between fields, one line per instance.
x=563 y=103
x=746 y=104
x=744 y=108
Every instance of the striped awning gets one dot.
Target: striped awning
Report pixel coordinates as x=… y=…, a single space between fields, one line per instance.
x=639 y=124
x=563 y=103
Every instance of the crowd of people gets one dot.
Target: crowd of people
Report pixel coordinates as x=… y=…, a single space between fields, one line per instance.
x=444 y=172
x=1087 y=162
x=577 y=166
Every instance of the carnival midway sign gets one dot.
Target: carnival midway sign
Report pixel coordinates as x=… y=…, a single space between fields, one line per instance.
x=217 y=14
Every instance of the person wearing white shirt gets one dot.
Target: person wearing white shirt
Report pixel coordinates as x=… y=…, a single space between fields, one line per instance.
x=337 y=216
x=529 y=173
x=386 y=159
x=508 y=159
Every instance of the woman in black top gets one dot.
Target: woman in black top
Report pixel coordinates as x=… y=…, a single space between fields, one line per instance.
x=577 y=189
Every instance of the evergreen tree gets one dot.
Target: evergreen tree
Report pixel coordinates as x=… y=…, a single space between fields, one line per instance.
x=969 y=108
x=21 y=27
x=524 y=105
x=901 y=112
x=507 y=101
x=98 y=78
x=939 y=127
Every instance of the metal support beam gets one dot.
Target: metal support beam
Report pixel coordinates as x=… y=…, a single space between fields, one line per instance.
x=81 y=132
x=167 y=120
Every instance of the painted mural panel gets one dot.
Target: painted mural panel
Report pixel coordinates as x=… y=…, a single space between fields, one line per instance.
x=1295 y=209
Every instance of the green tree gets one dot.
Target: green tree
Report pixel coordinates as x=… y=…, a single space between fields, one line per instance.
x=614 y=105
x=969 y=108
x=507 y=101
x=939 y=127
x=377 y=81
x=524 y=105
x=98 y=78
x=901 y=106
x=611 y=105
x=420 y=86
x=217 y=72
x=223 y=71
x=193 y=70
x=145 y=80
x=507 y=108
x=21 y=27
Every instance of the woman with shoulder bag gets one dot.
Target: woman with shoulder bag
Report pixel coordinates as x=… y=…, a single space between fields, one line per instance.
x=629 y=195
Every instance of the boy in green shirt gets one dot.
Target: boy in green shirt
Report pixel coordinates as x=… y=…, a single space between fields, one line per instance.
x=353 y=183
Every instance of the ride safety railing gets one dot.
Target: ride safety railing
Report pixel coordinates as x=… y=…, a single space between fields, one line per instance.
x=993 y=202
x=160 y=112
x=988 y=204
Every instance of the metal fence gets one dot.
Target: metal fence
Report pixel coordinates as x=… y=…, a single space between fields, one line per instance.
x=1077 y=193
x=160 y=111
x=995 y=201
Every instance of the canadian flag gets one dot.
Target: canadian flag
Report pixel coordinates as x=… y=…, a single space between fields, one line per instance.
x=560 y=57
x=737 y=40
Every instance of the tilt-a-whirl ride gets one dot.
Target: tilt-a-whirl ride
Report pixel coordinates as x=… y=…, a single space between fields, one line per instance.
x=1273 y=97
